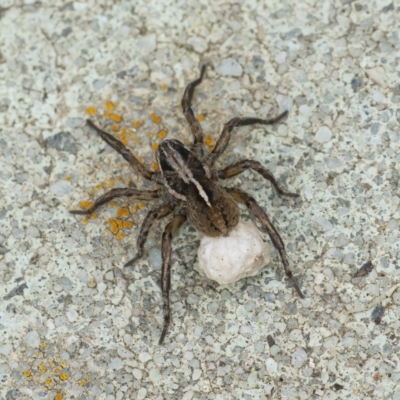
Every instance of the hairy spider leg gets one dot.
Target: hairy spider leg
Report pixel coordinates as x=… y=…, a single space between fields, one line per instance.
x=118 y=192
x=235 y=122
x=251 y=204
x=166 y=249
x=241 y=166
x=154 y=215
x=126 y=153
x=186 y=103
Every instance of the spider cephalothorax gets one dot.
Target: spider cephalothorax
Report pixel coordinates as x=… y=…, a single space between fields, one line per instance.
x=188 y=184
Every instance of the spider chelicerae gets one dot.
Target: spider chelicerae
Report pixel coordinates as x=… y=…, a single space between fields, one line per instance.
x=188 y=186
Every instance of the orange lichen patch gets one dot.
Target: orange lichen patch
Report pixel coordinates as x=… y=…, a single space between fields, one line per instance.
x=132 y=209
x=64 y=376
x=136 y=140
x=141 y=204
x=136 y=124
x=27 y=373
x=90 y=191
x=140 y=159
x=85 y=220
x=49 y=382
x=85 y=204
x=115 y=117
x=98 y=186
x=115 y=128
x=120 y=235
x=91 y=111
x=114 y=225
x=209 y=142
x=122 y=212
x=110 y=106
x=63 y=364
x=57 y=370
x=111 y=182
x=154 y=146
x=112 y=204
x=155 y=118
x=43 y=345
x=93 y=216
x=127 y=224
x=164 y=87
x=119 y=179
x=68 y=178
x=42 y=367
x=162 y=134
x=81 y=382
x=58 y=396
x=106 y=114
x=200 y=117
x=155 y=167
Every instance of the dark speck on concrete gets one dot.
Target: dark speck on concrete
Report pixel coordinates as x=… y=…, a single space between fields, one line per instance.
x=62 y=141
x=356 y=83
x=377 y=313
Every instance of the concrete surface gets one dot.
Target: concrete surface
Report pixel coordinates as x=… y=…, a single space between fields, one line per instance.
x=71 y=325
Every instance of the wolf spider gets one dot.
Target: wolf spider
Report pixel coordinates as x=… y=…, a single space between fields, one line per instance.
x=188 y=186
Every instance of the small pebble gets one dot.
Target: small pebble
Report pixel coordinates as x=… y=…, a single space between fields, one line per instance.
x=72 y=315
x=230 y=67
x=32 y=339
x=271 y=365
x=299 y=357
x=124 y=353
x=323 y=135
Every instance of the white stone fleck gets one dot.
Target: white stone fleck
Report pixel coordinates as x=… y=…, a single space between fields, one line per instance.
x=323 y=134
x=61 y=188
x=155 y=375
x=240 y=254
x=116 y=363
x=101 y=287
x=32 y=339
x=285 y=102
x=377 y=75
x=144 y=357
x=198 y=43
x=319 y=278
x=230 y=67
x=281 y=57
x=196 y=374
x=5 y=349
x=299 y=357
x=124 y=352
x=137 y=373
x=272 y=366
x=72 y=315
x=308 y=193
x=142 y=394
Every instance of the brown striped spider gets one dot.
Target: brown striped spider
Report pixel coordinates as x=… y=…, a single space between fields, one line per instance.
x=189 y=189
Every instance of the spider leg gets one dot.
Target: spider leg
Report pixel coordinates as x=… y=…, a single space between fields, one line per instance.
x=118 y=192
x=151 y=217
x=233 y=123
x=126 y=153
x=169 y=231
x=251 y=204
x=239 y=167
x=186 y=103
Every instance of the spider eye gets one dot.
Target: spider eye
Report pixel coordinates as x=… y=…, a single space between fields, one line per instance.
x=172 y=154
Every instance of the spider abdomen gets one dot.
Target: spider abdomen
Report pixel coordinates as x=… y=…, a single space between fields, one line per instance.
x=211 y=210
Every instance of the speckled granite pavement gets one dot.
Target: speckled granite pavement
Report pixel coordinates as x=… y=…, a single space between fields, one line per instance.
x=71 y=325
